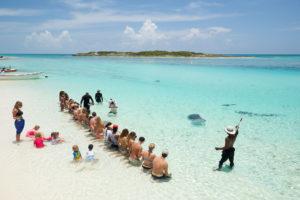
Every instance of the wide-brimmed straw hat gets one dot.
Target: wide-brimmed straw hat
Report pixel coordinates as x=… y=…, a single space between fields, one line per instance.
x=230 y=130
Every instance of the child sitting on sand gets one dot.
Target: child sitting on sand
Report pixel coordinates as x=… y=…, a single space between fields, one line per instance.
x=90 y=154
x=76 y=153
x=32 y=132
x=38 y=141
x=55 y=138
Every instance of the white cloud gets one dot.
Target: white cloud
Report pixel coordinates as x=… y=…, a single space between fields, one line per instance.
x=47 y=40
x=147 y=33
x=206 y=33
x=18 y=12
x=197 y=4
x=90 y=19
x=80 y=4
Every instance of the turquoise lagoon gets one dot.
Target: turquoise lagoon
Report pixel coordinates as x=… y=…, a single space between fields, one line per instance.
x=155 y=96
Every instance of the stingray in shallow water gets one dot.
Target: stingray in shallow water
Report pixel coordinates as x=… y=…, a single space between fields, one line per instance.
x=196 y=119
x=229 y=104
x=255 y=114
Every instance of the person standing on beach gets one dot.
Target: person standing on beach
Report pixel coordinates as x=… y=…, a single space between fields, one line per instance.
x=19 y=121
x=86 y=101
x=99 y=97
x=228 y=149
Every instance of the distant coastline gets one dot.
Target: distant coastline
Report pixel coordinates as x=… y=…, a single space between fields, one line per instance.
x=152 y=54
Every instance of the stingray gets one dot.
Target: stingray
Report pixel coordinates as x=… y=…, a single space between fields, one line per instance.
x=255 y=114
x=229 y=104
x=196 y=119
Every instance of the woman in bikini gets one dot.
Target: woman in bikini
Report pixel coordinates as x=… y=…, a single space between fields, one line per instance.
x=148 y=157
x=99 y=126
x=19 y=121
x=130 y=140
x=122 y=141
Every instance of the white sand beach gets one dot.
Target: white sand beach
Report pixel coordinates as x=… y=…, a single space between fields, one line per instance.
x=48 y=173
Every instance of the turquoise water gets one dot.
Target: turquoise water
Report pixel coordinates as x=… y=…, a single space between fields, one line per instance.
x=155 y=96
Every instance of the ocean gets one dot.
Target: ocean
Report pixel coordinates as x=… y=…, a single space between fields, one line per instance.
x=155 y=96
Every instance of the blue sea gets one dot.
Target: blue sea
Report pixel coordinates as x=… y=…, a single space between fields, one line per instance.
x=155 y=96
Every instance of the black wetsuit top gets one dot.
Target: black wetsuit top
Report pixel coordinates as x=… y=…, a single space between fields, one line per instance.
x=98 y=97
x=86 y=100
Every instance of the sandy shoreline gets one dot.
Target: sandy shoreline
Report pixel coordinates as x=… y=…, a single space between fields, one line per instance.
x=48 y=173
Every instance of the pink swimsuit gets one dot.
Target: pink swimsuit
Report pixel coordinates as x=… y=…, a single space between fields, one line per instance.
x=38 y=143
x=30 y=133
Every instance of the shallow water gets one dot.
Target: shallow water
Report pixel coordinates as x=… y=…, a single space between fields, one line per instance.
x=155 y=96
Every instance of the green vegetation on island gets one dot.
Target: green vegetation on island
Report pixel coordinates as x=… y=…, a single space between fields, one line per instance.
x=148 y=54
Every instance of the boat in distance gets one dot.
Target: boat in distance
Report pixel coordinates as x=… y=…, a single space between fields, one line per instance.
x=33 y=75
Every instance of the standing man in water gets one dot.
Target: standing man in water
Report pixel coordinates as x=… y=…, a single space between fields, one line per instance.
x=86 y=101
x=98 y=97
x=228 y=149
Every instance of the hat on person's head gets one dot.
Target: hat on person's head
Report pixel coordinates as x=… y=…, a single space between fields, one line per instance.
x=230 y=130
x=115 y=126
x=98 y=90
x=165 y=151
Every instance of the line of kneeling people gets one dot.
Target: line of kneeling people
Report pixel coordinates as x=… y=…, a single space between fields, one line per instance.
x=123 y=142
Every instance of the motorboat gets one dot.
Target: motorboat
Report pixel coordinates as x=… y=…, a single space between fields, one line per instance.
x=24 y=76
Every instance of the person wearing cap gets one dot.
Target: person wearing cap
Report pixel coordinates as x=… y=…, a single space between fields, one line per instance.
x=113 y=137
x=160 y=166
x=135 y=152
x=228 y=149
x=99 y=97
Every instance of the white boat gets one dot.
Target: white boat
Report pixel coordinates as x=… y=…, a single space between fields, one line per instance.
x=34 y=75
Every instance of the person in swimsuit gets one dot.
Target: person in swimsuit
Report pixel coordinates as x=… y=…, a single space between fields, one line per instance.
x=113 y=107
x=228 y=149
x=38 y=141
x=76 y=153
x=93 y=122
x=99 y=126
x=32 y=132
x=122 y=141
x=99 y=97
x=130 y=140
x=160 y=166
x=90 y=155
x=55 y=138
x=135 y=152
x=62 y=100
x=19 y=121
x=82 y=115
x=148 y=157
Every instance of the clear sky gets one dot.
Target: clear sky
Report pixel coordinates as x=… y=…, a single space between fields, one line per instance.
x=209 y=26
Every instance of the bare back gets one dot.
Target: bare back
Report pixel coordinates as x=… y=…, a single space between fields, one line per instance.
x=148 y=158
x=160 y=166
x=135 y=151
x=122 y=143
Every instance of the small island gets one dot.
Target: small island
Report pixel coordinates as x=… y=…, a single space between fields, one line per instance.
x=156 y=54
